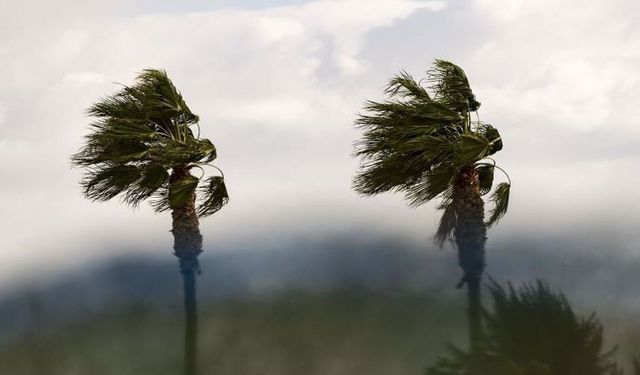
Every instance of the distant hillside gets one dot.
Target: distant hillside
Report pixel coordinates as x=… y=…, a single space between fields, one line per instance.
x=322 y=307
x=292 y=333
x=153 y=283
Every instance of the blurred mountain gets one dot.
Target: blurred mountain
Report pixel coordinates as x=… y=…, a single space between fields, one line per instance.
x=385 y=268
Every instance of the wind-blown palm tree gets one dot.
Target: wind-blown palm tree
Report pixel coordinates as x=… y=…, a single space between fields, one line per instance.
x=533 y=330
x=143 y=147
x=427 y=146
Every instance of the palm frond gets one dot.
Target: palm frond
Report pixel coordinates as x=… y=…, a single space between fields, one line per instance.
x=122 y=105
x=525 y=330
x=447 y=224
x=493 y=135
x=153 y=176
x=160 y=199
x=485 y=177
x=160 y=98
x=471 y=148
x=405 y=86
x=500 y=199
x=104 y=184
x=434 y=183
x=404 y=140
x=182 y=190
x=138 y=134
x=451 y=86
x=125 y=128
x=383 y=175
x=416 y=142
x=101 y=149
x=395 y=112
x=215 y=196
x=173 y=152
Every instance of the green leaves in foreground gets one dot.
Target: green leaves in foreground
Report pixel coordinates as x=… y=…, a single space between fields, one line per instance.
x=533 y=330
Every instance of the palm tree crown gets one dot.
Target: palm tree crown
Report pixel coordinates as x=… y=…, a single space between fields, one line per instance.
x=139 y=135
x=420 y=142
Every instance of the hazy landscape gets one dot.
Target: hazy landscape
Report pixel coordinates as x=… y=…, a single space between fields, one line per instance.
x=339 y=306
x=320 y=187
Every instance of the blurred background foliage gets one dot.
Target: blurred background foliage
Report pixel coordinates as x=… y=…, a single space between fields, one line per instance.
x=346 y=332
x=331 y=307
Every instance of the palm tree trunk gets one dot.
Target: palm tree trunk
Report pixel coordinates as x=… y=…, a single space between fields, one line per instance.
x=191 y=323
x=470 y=234
x=187 y=246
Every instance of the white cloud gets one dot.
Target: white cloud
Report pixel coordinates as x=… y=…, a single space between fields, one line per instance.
x=3 y=114
x=255 y=78
x=570 y=62
x=560 y=80
x=348 y=20
x=277 y=90
x=84 y=78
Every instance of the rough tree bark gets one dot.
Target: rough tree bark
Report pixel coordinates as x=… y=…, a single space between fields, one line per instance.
x=471 y=235
x=187 y=246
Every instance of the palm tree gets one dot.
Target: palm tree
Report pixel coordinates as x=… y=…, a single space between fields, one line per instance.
x=142 y=146
x=533 y=330
x=427 y=146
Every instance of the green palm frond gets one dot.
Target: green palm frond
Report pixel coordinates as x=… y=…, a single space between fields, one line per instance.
x=182 y=190
x=436 y=182
x=485 y=177
x=418 y=140
x=106 y=183
x=192 y=150
x=451 y=86
x=153 y=177
x=161 y=99
x=532 y=330
x=385 y=175
x=423 y=112
x=500 y=199
x=215 y=195
x=492 y=134
x=447 y=224
x=125 y=129
x=138 y=135
x=404 y=85
x=160 y=199
x=424 y=151
x=404 y=140
x=471 y=148
x=152 y=97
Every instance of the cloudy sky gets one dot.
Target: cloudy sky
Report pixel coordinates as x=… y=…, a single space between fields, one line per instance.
x=277 y=85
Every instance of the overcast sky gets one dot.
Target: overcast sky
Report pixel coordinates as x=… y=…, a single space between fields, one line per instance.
x=277 y=85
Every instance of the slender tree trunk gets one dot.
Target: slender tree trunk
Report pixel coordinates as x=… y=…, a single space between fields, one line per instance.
x=470 y=234
x=187 y=246
x=191 y=323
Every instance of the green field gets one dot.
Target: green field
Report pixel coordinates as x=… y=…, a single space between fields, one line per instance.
x=291 y=333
